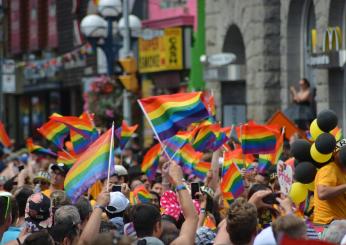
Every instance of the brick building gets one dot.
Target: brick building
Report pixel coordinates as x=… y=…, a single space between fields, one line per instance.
x=276 y=43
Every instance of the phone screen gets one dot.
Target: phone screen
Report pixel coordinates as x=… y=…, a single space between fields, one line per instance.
x=271 y=198
x=116 y=188
x=194 y=189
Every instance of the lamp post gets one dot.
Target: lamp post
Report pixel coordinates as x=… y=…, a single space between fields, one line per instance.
x=101 y=32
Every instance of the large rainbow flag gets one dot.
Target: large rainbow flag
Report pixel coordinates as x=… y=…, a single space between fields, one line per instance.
x=4 y=138
x=91 y=166
x=151 y=161
x=258 y=139
x=124 y=133
x=232 y=181
x=168 y=114
x=33 y=148
x=55 y=132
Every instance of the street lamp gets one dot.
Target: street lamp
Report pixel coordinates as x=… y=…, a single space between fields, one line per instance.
x=100 y=33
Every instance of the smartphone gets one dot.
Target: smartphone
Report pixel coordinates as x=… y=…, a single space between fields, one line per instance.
x=271 y=198
x=194 y=189
x=116 y=188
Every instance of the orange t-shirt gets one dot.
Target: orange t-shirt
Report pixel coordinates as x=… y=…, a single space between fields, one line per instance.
x=334 y=208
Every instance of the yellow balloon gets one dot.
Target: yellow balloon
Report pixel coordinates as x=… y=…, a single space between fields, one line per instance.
x=310 y=186
x=298 y=192
x=315 y=131
x=319 y=157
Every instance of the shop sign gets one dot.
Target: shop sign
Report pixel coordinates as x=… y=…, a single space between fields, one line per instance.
x=221 y=59
x=331 y=39
x=325 y=60
x=164 y=53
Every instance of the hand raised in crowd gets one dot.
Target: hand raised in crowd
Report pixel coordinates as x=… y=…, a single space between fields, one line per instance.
x=175 y=174
x=103 y=198
x=257 y=199
x=285 y=205
x=125 y=189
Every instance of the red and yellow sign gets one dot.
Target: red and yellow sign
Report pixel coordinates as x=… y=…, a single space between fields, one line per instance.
x=162 y=53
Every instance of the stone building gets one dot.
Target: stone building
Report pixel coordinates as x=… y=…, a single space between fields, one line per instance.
x=276 y=42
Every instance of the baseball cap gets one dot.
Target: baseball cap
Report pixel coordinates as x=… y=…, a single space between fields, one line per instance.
x=118 y=203
x=61 y=167
x=42 y=175
x=120 y=170
x=38 y=212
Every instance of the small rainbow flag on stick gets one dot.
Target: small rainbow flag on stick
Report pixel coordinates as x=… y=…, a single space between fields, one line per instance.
x=97 y=162
x=204 y=139
x=236 y=156
x=337 y=133
x=258 y=139
x=55 y=132
x=80 y=125
x=66 y=158
x=275 y=157
x=201 y=169
x=33 y=148
x=141 y=194
x=124 y=133
x=228 y=197
x=167 y=114
x=151 y=161
x=4 y=139
x=232 y=181
x=264 y=163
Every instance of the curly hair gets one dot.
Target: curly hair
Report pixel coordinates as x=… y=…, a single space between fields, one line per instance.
x=241 y=221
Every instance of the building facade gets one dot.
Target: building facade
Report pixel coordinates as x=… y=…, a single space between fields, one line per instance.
x=276 y=43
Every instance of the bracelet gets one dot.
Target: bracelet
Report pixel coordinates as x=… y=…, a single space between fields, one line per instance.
x=202 y=210
x=100 y=207
x=180 y=187
x=165 y=183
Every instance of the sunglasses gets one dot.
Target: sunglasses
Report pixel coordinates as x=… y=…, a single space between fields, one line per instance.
x=41 y=182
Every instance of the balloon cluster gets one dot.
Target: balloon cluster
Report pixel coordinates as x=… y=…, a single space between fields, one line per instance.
x=312 y=156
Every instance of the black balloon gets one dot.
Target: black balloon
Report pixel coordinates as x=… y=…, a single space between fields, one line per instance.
x=305 y=172
x=327 y=120
x=300 y=149
x=325 y=143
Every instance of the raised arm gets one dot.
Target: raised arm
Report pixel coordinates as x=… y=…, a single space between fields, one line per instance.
x=92 y=228
x=189 y=227
x=215 y=169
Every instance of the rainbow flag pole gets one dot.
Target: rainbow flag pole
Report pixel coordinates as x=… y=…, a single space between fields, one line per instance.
x=153 y=128
x=110 y=156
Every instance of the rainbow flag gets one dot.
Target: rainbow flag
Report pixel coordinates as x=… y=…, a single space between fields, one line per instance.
x=151 y=161
x=228 y=197
x=176 y=142
x=55 y=132
x=264 y=163
x=33 y=148
x=141 y=195
x=337 y=132
x=4 y=138
x=209 y=222
x=205 y=138
x=209 y=102
x=124 y=133
x=232 y=181
x=170 y=113
x=201 y=169
x=91 y=166
x=258 y=139
x=275 y=157
x=236 y=156
x=188 y=158
x=79 y=125
x=221 y=137
x=66 y=158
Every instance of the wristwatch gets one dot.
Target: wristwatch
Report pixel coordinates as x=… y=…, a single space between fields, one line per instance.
x=100 y=207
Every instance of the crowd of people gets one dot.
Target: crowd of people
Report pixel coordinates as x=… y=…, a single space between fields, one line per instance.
x=131 y=209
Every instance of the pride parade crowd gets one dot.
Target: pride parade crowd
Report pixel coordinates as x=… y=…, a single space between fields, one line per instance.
x=199 y=182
